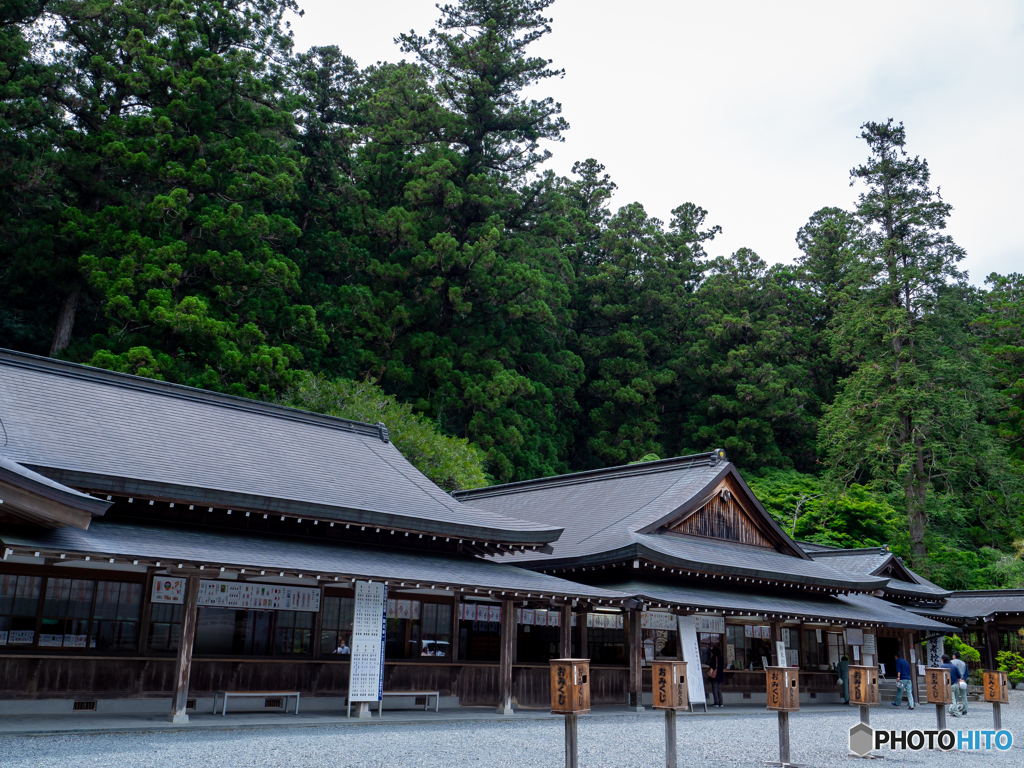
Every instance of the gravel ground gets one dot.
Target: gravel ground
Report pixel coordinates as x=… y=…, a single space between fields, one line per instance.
x=818 y=740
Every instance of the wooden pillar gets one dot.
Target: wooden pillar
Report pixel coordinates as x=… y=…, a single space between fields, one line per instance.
x=565 y=631
x=776 y=636
x=189 y=613
x=147 y=612
x=581 y=625
x=634 y=635
x=508 y=654
x=455 y=629
x=318 y=625
x=991 y=645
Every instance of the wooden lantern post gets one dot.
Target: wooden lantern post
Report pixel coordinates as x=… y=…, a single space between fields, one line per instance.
x=669 y=688
x=939 y=692
x=864 y=691
x=997 y=691
x=570 y=695
x=783 y=685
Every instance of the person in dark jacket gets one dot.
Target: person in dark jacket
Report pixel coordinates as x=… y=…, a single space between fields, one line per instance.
x=716 y=673
x=904 y=683
x=954 y=680
x=843 y=670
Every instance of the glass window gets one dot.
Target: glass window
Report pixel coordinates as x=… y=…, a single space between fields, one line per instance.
x=707 y=641
x=294 y=632
x=164 y=627
x=66 y=610
x=836 y=648
x=791 y=635
x=479 y=638
x=118 y=605
x=19 y=606
x=537 y=637
x=747 y=649
x=735 y=647
x=606 y=638
x=231 y=632
x=336 y=625
x=418 y=629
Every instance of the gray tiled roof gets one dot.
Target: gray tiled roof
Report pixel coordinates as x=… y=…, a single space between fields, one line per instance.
x=259 y=552
x=14 y=473
x=113 y=433
x=881 y=562
x=606 y=515
x=978 y=604
x=852 y=608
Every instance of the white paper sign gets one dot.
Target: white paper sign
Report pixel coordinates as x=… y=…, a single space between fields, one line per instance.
x=792 y=658
x=780 y=652
x=240 y=594
x=817 y=634
x=661 y=620
x=691 y=653
x=856 y=652
x=3 y=638
x=920 y=669
x=913 y=656
x=366 y=679
x=869 y=645
x=21 y=636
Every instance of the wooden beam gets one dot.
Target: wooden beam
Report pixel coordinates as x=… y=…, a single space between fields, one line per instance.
x=635 y=649
x=565 y=631
x=189 y=614
x=508 y=652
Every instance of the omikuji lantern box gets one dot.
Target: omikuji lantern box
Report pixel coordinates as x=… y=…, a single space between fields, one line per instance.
x=668 y=683
x=864 y=685
x=783 y=689
x=997 y=688
x=937 y=685
x=570 y=686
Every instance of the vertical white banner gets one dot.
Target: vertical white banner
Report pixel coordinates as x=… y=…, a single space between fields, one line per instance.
x=691 y=655
x=366 y=678
x=936 y=647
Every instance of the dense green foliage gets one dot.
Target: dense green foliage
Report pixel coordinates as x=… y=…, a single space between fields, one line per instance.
x=185 y=197
x=451 y=462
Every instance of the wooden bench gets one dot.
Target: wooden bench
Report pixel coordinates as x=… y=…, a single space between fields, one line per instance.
x=406 y=694
x=255 y=695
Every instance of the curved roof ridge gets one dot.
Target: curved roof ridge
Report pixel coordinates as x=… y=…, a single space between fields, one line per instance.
x=708 y=459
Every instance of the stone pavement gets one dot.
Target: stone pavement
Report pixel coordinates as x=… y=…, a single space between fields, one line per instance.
x=92 y=722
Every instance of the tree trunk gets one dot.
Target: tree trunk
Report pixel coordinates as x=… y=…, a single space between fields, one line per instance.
x=917 y=490
x=65 y=322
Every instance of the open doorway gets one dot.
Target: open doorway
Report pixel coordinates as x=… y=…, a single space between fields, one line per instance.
x=887 y=648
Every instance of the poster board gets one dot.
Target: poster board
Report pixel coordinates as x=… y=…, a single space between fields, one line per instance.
x=936 y=647
x=239 y=594
x=691 y=653
x=366 y=679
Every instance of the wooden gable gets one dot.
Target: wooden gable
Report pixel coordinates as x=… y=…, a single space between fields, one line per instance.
x=726 y=515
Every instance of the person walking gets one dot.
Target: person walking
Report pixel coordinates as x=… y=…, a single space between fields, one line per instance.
x=843 y=670
x=961 y=688
x=954 y=681
x=716 y=673
x=904 y=683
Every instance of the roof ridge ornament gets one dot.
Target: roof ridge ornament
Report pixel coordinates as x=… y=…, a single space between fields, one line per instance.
x=382 y=432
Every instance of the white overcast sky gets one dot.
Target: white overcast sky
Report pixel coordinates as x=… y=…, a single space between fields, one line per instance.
x=752 y=109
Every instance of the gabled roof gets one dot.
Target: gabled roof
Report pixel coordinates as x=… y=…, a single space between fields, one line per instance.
x=27 y=496
x=860 y=609
x=112 y=433
x=977 y=604
x=254 y=552
x=620 y=513
x=879 y=561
